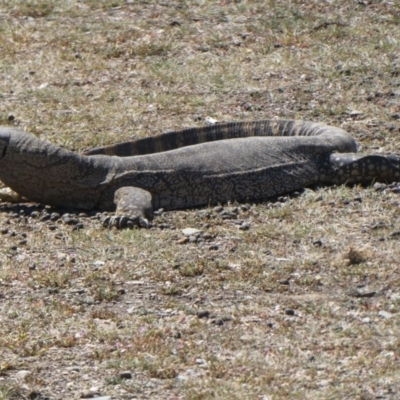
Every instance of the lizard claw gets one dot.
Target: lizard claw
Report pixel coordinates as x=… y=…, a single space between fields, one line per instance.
x=105 y=221
x=120 y=222
x=144 y=223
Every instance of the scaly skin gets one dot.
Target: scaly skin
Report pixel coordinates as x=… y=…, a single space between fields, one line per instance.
x=229 y=130
x=268 y=159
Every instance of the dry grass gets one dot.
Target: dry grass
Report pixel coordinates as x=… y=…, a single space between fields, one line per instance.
x=303 y=305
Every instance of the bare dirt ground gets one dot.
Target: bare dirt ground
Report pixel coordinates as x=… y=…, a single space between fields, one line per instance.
x=297 y=298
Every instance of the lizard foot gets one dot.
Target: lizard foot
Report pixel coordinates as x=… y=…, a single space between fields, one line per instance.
x=133 y=206
x=122 y=221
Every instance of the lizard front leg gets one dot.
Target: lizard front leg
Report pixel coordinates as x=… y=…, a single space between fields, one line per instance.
x=134 y=208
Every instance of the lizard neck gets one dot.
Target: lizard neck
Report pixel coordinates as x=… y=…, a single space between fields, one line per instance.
x=51 y=175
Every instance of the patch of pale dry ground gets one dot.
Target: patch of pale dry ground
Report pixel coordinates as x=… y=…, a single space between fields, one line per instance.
x=302 y=304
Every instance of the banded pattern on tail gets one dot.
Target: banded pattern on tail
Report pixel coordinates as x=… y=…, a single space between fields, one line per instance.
x=230 y=130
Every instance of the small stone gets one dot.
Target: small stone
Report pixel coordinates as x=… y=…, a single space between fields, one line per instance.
x=290 y=312
x=355 y=113
x=245 y=226
x=191 y=231
x=379 y=187
x=247 y=339
x=44 y=217
x=360 y=294
x=203 y=314
x=385 y=314
x=136 y=282
x=78 y=226
x=77 y=291
x=61 y=256
x=54 y=216
x=69 y=220
x=210 y=121
x=182 y=378
x=197 y=117
x=11 y=118
x=228 y=215
x=86 y=395
x=204 y=49
x=125 y=375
